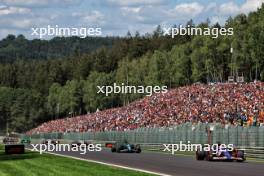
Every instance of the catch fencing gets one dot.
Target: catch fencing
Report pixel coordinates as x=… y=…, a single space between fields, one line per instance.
x=196 y=134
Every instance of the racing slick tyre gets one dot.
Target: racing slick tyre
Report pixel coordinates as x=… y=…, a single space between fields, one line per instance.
x=113 y=149
x=118 y=148
x=208 y=156
x=241 y=155
x=138 y=149
x=200 y=155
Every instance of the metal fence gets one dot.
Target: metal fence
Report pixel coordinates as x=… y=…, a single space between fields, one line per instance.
x=196 y=134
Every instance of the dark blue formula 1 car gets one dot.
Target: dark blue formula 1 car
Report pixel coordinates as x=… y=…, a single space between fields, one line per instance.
x=125 y=147
x=223 y=155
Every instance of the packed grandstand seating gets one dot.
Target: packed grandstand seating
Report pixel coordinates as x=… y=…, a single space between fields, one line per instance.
x=225 y=103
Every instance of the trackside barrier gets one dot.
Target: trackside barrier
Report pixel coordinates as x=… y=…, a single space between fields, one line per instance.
x=254 y=152
x=251 y=138
x=1 y=139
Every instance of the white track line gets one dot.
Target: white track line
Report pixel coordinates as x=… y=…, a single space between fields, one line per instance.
x=109 y=164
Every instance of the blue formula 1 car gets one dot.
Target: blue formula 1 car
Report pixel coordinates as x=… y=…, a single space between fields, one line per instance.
x=221 y=155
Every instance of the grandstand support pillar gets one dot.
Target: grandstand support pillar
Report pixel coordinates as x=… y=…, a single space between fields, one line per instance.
x=210 y=134
x=228 y=135
x=237 y=134
x=257 y=137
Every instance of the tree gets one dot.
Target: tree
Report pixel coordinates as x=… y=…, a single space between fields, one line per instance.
x=92 y=98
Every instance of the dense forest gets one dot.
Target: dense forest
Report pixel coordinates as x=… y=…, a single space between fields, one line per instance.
x=14 y=48
x=42 y=80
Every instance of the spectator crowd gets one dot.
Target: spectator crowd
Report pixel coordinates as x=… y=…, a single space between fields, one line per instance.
x=226 y=103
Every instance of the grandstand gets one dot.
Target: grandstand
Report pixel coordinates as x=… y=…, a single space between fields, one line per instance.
x=239 y=104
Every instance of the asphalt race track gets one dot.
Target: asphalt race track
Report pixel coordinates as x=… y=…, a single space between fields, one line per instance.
x=174 y=165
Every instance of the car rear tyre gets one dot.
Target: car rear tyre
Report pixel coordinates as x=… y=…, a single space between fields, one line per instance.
x=138 y=149
x=113 y=149
x=200 y=155
x=241 y=154
x=208 y=156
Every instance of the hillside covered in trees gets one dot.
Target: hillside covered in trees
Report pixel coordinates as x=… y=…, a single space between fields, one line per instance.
x=14 y=48
x=46 y=79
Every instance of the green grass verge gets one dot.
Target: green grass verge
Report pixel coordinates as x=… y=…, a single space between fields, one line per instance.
x=34 y=164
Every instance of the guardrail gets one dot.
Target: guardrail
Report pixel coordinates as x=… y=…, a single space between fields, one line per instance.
x=254 y=152
x=251 y=138
x=1 y=139
x=196 y=134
